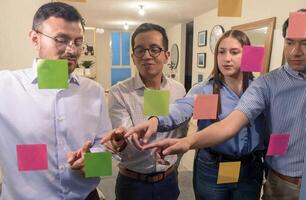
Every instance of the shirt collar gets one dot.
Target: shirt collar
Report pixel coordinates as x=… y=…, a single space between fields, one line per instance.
x=138 y=83
x=73 y=78
x=294 y=73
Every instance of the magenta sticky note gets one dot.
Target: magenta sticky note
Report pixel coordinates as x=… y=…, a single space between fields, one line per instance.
x=278 y=144
x=32 y=157
x=205 y=106
x=297 y=25
x=252 y=59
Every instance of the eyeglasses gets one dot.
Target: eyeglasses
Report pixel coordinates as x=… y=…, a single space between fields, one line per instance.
x=62 y=42
x=139 y=52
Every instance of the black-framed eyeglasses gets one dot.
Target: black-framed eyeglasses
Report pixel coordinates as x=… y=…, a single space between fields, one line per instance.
x=62 y=42
x=139 y=52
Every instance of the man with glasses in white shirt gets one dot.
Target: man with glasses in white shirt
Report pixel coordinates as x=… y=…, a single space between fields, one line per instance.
x=68 y=121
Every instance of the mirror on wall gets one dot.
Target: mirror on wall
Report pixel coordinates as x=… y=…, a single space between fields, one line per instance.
x=174 y=59
x=261 y=34
x=174 y=56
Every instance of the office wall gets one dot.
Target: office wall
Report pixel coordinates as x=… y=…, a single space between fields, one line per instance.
x=177 y=35
x=252 y=11
x=15 y=23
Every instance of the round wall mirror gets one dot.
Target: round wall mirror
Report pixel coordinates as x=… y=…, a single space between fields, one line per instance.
x=174 y=55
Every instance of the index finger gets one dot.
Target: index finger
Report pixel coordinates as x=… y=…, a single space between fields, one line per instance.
x=107 y=137
x=158 y=144
x=138 y=129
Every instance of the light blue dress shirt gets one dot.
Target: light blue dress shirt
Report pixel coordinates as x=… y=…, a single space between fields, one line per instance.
x=281 y=94
x=249 y=138
x=62 y=119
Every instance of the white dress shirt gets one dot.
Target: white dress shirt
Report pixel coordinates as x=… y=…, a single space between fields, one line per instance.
x=62 y=119
x=126 y=101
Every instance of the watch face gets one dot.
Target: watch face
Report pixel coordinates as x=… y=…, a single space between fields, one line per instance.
x=215 y=34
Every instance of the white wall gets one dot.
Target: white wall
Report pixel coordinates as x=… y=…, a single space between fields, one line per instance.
x=17 y=52
x=15 y=23
x=177 y=35
x=103 y=51
x=252 y=11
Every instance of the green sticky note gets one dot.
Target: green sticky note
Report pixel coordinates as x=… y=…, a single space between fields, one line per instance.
x=52 y=74
x=156 y=102
x=98 y=164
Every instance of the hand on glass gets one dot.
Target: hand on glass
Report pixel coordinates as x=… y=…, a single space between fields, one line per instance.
x=142 y=132
x=114 y=140
x=76 y=158
x=170 y=146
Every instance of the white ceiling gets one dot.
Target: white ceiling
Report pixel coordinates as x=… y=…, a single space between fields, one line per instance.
x=112 y=14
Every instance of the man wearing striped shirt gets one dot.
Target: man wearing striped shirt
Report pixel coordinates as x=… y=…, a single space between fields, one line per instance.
x=281 y=96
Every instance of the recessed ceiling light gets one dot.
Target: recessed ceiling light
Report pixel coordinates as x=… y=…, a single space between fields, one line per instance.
x=126 y=26
x=141 y=10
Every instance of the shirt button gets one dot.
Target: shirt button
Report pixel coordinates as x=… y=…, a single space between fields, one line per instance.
x=60 y=118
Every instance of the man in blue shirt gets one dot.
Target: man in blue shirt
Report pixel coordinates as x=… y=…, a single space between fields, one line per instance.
x=69 y=121
x=281 y=96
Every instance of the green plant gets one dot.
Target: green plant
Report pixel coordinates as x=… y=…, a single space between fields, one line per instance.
x=87 y=64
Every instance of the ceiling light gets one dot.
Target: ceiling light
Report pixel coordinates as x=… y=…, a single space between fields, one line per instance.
x=126 y=26
x=141 y=10
x=100 y=30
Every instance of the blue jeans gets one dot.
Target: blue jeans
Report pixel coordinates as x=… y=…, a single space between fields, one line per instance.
x=128 y=188
x=205 y=179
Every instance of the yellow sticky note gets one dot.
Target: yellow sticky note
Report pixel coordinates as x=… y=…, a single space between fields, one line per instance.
x=228 y=172
x=229 y=8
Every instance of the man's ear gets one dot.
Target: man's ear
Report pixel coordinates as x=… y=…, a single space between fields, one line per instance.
x=34 y=39
x=167 y=55
x=133 y=58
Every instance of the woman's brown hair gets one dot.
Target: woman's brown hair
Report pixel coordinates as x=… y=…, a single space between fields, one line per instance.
x=217 y=76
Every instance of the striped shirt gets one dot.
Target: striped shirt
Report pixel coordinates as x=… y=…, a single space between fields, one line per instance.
x=281 y=95
x=63 y=119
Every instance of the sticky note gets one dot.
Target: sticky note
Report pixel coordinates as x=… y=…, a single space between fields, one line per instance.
x=156 y=102
x=297 y=25
x=205 y=106
x=252 y=59
x=52 y=74
x=229 y=8
x=98 y=164
x=278 y=144
x=228 y=172
x=32 y=157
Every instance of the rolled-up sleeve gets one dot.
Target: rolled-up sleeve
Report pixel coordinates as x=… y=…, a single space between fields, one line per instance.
x=254 y=101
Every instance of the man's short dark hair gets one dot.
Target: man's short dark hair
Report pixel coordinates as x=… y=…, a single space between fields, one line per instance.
x=145 y=27
x=56 y=9
x=286 y=23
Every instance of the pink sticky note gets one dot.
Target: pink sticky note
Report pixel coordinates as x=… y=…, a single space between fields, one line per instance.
x=252 y=59
x=32 y=157
x=278 y=144
x=205 y=106
x=297 y=25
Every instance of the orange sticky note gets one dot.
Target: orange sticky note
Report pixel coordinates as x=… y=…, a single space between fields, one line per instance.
x=229 y=8
x=205 y=106
x=297 y=25
x=228 y=172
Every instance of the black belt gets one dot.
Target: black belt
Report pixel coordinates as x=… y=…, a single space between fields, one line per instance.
x=93 y=195
x=245 y=158
x=151 y=178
